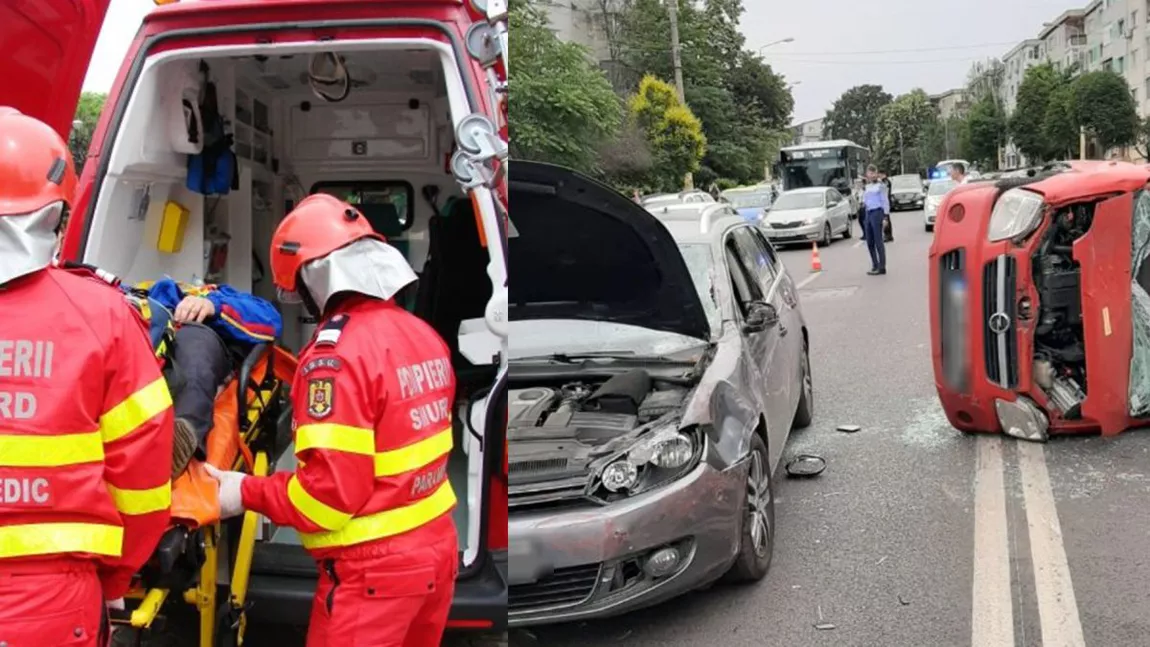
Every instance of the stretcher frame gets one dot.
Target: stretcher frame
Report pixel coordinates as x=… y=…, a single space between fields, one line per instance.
x=223 y=623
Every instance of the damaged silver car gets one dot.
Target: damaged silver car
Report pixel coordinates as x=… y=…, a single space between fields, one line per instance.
x=657 y=369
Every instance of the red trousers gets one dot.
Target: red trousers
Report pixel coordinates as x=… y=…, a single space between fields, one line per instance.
x=51 y=604
x=399 y=599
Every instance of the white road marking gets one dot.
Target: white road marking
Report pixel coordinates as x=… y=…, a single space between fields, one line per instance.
x=1057 y=607
x=859 y=244
x=992 y=605
x=801 y=284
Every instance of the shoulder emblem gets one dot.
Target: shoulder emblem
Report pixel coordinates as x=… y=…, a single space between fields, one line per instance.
x=329 y=333
x=329 y=363
x=320 y=397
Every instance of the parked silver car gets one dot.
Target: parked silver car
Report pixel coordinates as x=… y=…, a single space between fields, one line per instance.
x=934 y=194
x=810 y=214
x=656 y=370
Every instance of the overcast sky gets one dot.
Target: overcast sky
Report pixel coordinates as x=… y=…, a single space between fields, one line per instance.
x=923 y=44
x=919 y=44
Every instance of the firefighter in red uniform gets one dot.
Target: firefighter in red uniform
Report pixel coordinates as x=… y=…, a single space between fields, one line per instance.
x=372 y=413
x=84 y=412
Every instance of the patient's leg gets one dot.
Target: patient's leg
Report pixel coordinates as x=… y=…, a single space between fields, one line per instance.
x=202 y=360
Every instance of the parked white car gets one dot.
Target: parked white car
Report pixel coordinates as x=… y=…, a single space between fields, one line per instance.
x=934 y=193
x=810 y=214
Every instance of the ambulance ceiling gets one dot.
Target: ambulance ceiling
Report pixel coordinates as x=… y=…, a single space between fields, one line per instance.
x=384 y=70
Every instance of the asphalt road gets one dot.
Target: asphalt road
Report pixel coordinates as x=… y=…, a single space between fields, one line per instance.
x=880 y=550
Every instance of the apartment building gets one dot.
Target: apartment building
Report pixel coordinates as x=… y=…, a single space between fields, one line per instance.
x=580 y=21
x=808 y=131
x=950 y=103
x=1064 y=40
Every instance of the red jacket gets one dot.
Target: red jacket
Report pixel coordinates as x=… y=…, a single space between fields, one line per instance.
x=372 y=411
x=85 y=427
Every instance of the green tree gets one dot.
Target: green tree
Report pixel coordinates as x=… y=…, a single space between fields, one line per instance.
x=674 y=134
x=739 y=100
x=854 y=114
x=985 y=132
x=87 y=114
x=1039 y=84
x=931 y=144
x=1104 y=107
x=564 y=109
x=1142 y=145
x=1059 y=125
x=897 y=132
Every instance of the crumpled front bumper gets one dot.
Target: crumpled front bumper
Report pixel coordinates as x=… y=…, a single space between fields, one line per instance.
x=590 y=562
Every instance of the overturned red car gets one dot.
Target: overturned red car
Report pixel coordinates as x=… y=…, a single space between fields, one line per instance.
x=1039 y=302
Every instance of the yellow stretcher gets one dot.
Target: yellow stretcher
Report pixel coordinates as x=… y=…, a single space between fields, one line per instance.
x=251 y=427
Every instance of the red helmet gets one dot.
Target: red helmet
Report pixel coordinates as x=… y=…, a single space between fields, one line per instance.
x=36 y=167
x=319 y=225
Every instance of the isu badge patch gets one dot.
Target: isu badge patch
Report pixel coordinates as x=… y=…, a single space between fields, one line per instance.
x=320 y=397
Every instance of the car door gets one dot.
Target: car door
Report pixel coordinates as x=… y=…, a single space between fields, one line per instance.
x=790 y=316
x=49 y=44
x=750 y=265
x=836 y=212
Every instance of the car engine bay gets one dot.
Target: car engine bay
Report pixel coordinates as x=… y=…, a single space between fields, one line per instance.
x=558 y=432
x=1059 y=344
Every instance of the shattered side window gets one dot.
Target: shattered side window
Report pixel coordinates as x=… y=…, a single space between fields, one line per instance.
x=1139 y=396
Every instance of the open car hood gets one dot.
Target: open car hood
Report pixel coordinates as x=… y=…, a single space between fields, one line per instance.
x=583 y=251
x=48 y=45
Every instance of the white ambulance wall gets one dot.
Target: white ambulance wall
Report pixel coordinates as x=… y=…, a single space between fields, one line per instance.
x=143 y=156
x=401 y=145
x=126 y=245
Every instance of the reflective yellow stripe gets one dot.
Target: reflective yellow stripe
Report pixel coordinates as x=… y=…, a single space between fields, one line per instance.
x=386 y=523
x=142 y=501
x=50 y=451
x=320 y=513
x=344 y=438
x=54 y=538
x=138 y=408
x=414 y=456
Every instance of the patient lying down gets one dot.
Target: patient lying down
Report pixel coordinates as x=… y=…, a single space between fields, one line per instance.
x=215 y=327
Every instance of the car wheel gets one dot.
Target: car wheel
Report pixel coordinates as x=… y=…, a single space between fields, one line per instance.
x=827 y=236
x=847 y=233
x=928 y=227
x=757 y=532
x=806 y=410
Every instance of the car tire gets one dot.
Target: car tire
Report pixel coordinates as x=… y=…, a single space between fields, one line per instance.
x=847 y=233
x=828 y=237
x=806 y=409
x=757 y=530
x=928 y=227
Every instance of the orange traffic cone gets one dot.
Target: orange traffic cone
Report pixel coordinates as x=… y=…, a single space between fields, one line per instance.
x=816 y=264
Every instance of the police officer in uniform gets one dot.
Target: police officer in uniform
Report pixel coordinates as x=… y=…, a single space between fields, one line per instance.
x=84 y=412
x=372 y=412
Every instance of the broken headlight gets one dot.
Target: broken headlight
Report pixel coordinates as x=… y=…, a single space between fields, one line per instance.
x=655 y=458
x=1015 y=216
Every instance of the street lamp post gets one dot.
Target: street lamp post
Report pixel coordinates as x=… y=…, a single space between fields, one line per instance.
x=777 y=42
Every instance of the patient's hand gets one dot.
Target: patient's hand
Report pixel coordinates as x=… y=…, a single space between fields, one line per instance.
x=194 y=310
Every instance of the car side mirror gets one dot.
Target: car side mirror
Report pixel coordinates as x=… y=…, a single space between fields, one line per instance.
x=760 y=316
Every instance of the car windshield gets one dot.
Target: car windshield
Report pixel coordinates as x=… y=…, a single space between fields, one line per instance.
x=906 y=183
x=701 y=265
x=805 y=200
x=939 y=187
x=745 y=200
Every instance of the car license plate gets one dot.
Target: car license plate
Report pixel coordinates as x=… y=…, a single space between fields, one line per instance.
x=525 y=566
